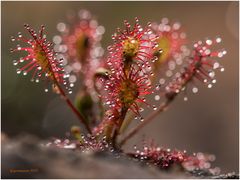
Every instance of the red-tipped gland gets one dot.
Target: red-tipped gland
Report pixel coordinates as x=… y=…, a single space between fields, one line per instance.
x=41 y=58
x=125 y=91
x=171 y=39
x=132 y=45
x=80 y=38
x=200 y=67
x=166 y=158
x=79 y=42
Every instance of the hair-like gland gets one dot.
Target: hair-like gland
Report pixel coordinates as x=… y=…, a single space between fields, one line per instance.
x=41 y=58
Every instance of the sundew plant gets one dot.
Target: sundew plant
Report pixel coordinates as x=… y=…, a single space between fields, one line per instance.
x=144 y=60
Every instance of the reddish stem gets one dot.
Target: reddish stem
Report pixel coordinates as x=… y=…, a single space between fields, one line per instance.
x=170 y=97
x=72 y=107
x=76 y=112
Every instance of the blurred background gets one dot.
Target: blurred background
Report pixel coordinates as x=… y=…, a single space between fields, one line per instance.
x=208 y=122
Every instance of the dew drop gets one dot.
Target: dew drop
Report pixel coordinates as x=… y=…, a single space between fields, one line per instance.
x=220 y=54
x=218 y=40
x=15 y=62
x=209 y=42
x=222 y=69
x=214 y=81
x=216 y=65
x=12 y=38
x=160 y=51
x=24 y=73
x=154 y=59
x=171 y=65
x=210 y=86
x=158 y=87
x=195 y=90
x=141 y=109
x=21 y=60
x=18 y=71
x=149 y=68
x=141 y=119
x=19 y=35
x=154 y=108
x=185 y=98
x=72 y=78
x=69 y=92
x=169 y=73
x=46 y=90
x=162 y=81
x=157 y=97
x=37 y=80
x=57 y=141
x=208 y=52
x=165 y=20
